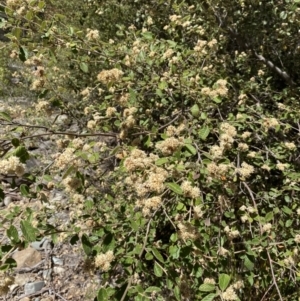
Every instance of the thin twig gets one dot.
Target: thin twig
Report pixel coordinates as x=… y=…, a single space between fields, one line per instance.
x=273 y=276
x=263 y=297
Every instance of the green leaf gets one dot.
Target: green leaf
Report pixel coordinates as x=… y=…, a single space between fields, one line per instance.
x=15 y=142
x=269 y=216
x=25 y=190
x=157 y=254
x=84 y=67
x=191 y=149
x=177 y=293
x=152 y=289
x=102 y=295
x=28 y=231
x=74 y=239
x=22 y=153
x=161 y=161
x=248 y=263
x=174 y=187
x=180 y=206
x=108 y=242
x=41 y=4
x=147 y=35
x=174 y=252
x=9 y=264
x=204 y=132
x=224 y=280
x=207 y=287
x=158 y=271
x=12 y=234
x=162 y=85
x=287 y=210
x=195 y=110
x=288 y=223
x=159 y=93
x=5 y=116
x=217 y=99
x=209 y=297
x=250 y=279
x=23 y=54
x=148 y=256
x=86 y=244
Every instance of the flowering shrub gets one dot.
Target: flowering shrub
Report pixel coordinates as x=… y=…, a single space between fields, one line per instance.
x=183 y=168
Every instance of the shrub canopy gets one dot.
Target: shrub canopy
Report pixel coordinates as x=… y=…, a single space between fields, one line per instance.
x=176 y=130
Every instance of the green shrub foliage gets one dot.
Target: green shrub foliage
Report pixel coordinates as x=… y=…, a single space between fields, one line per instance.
x=183 y=167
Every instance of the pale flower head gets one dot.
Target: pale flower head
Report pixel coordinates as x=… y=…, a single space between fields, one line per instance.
x=281 y=166
x=110 y=76
x=216 y=151
x=246 y=170
x=103 y=260
x=228 y=129
x=229 y=294
x=92 y=34
x=209 y=281
x=269 y=123
x=267 y=227
x=297 y=238
x=290 y=145
x=189 y=190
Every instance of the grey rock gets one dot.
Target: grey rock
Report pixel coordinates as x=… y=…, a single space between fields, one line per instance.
x=42 y=245
x=7 y=200
x=58 y=270
x=57 y=261
x=47 y=274
x=31 y=288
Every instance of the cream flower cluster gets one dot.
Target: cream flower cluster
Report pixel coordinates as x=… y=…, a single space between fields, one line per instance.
x=92 y=34
x=219 y=89
x=189 y=190
x=227 y=134
x=169 y=145
x=43 y=106
x=71 y=184
x=269 y=123
x=12 y=165
x=149 y=205
x=145 y=178
x=218 y=171
x=231 y=233
x=229 y=294
x=174 y=131
x=245 y=171
x=187 y=232
x=110 y=76
x=64 y=159
x=103 y=260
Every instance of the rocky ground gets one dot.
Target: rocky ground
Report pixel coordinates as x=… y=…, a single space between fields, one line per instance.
x=46 y=270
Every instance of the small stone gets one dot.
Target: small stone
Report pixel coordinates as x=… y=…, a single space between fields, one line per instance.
x=44 y=244
x=57 y=261
x=27 y=258
x=47 y=274
x=7 y=200
x=31 y=288
x=58 y=270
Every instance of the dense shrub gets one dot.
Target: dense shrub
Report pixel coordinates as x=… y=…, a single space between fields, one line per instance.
x=184 y=165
